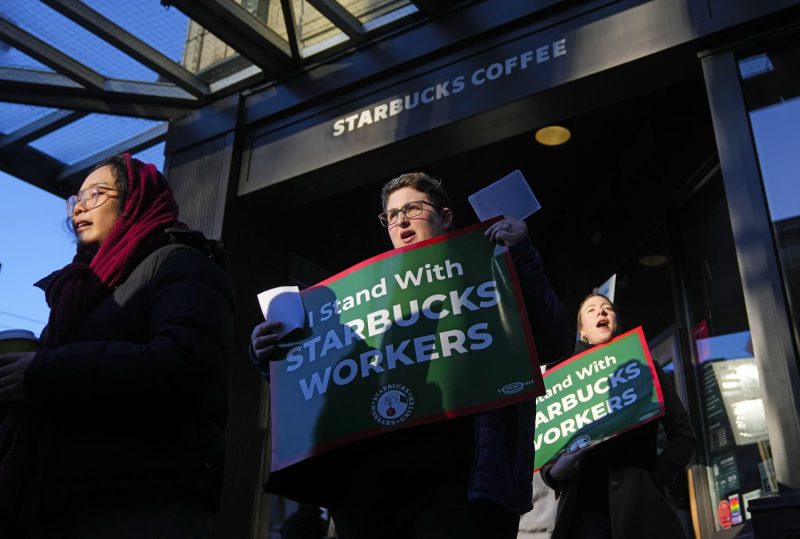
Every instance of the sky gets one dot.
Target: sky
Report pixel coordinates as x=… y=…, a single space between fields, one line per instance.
x=33 y=243
x=777 y=140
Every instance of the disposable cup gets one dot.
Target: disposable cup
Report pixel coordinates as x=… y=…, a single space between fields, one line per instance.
x=17 y=340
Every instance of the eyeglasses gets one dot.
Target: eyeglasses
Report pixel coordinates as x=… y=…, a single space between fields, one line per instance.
x=90 y=198
x=410 y=210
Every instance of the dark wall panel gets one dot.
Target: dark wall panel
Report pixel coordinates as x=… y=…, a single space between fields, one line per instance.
x=199 y=179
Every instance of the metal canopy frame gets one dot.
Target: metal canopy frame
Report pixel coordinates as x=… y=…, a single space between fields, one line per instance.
x=340 y=17
x=116 y=35
x=233 y=25
x=77 y=90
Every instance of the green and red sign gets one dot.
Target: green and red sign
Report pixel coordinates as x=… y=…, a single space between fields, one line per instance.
x=424 y=333
x=597 y=395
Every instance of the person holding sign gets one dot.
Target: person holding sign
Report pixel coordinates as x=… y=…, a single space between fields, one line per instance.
x=467 y=477
x=615 y=489
x=118 y=428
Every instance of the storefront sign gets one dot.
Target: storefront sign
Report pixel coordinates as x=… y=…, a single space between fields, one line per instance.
x=430 y=100
x=725 y=472
x=736 y=510
x=595 y=396
x=423 y=333
x=450 y=88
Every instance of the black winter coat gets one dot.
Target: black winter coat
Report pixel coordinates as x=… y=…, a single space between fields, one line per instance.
x=137 y=404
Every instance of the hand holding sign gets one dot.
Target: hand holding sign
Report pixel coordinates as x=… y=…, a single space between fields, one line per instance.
x=508 y=231
x=568 y=464
x=264 y=338
x=283 y=312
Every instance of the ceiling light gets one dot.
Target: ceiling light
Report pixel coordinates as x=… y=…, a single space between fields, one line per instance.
x=652 y=261
x=553 y=135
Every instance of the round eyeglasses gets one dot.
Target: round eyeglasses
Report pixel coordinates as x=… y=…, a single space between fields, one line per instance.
x=410 y=210
x=90 y=198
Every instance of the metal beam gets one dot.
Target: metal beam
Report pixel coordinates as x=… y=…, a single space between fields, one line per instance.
x=129 y=44
x=35 y=167
x=339 y=16
x=146 y=100
x=287 y=7
x=39 y=128
x=399 y=49
x=76 y=173
x=432 y=7
x=49 y=56
x=233 y=25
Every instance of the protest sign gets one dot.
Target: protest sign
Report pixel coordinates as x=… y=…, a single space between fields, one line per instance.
x=597 y=395
x=423 y=333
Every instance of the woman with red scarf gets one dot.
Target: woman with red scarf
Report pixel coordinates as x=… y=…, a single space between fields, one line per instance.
x=116 y=426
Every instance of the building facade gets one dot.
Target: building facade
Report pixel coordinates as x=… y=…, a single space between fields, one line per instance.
x=680 y=179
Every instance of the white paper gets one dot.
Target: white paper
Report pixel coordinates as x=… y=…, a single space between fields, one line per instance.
x=283 y=304
x=608 y=288
x=510 y=196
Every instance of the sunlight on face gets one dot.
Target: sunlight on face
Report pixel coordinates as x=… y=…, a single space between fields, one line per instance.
x=429 y=224
x=598 y=321
x=93 y=225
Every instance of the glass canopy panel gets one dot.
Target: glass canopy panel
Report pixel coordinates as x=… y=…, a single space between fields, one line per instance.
x=168 y=30
x=315 y=33
x=90 y=135
x=11 y=57
x=269 y=12
x=153 y=154
x=162 y=27
x=13 y=116
x=375 y=13
x=73 y=40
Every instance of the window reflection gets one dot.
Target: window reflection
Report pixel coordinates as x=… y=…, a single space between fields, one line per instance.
x=736 y=446
x=772 y=96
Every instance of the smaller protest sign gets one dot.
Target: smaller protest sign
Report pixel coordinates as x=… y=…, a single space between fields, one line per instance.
x=597 y=395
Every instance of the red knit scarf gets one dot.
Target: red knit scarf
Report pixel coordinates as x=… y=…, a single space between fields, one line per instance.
x=80 y=286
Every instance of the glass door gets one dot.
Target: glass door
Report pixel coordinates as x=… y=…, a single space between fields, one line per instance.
x=734 y=455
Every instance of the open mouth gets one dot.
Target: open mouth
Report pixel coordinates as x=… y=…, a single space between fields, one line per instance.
x=405 y=234
x=82 y=225
x=602 y=323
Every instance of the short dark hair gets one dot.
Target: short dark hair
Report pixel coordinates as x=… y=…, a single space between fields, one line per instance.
x=422 y=183
x=120 y=173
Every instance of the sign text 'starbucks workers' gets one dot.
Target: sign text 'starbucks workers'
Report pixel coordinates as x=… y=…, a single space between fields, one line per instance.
x=596 y=395
x=423 y=333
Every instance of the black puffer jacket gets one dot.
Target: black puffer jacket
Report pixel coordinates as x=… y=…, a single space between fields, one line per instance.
x=137 y=404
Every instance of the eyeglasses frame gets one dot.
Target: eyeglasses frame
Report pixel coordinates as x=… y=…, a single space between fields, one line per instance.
x=384 y=217
x=73 y=201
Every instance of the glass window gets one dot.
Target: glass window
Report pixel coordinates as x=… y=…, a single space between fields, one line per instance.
x=735 y=442
x=59 y=32
x=89 y=135
x=14 y=116
x=154 y=155
x=771 y=84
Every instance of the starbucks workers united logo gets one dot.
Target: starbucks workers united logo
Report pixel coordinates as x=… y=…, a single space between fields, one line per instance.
x=392 y=404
